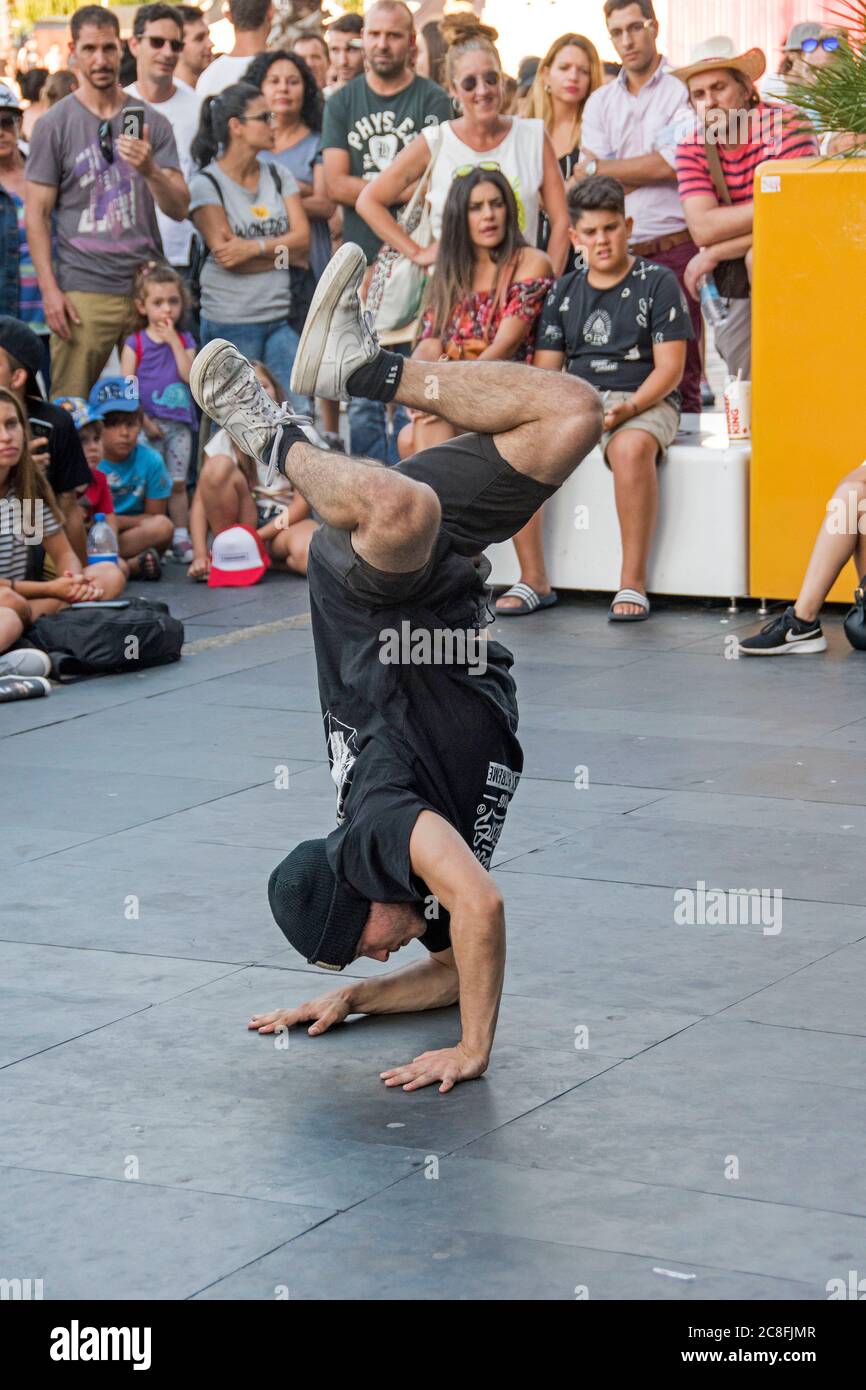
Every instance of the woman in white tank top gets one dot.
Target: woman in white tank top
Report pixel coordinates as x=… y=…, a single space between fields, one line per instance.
x=520 y=148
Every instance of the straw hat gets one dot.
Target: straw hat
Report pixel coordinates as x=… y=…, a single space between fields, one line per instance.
x=721 y=52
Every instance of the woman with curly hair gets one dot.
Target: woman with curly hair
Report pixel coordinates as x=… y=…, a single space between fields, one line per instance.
x=295 y=103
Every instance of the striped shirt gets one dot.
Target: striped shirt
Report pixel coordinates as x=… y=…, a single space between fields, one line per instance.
x=776 y=131
x=30 y=310
x=22 y=525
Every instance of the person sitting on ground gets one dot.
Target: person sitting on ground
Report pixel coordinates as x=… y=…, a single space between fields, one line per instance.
x=26 y=500
x=137 y=476
x=54 y=444
x=96 y=498
x=487 y=293
x=622 y=324
x=159 y=354
x=842 y=537
x=233 y=489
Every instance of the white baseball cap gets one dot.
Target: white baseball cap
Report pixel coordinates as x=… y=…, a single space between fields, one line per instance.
x=238 y=558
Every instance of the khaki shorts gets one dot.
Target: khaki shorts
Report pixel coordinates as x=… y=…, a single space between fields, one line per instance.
x=662 y=421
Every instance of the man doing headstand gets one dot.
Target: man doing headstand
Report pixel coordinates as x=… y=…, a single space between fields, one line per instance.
x=425 y=756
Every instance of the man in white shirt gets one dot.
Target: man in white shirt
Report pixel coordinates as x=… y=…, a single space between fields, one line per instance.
x=197 y=52
x=252 y=21
x=156 y=43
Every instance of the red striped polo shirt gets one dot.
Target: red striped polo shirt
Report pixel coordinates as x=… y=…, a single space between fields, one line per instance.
x=775 y=131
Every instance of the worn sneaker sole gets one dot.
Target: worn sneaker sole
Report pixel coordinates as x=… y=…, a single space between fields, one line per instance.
x=314 y=336
x=810 y=646
x=200 y=364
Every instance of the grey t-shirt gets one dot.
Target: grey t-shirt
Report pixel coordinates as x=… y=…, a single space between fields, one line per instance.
x=106 y=216
x=226 y=295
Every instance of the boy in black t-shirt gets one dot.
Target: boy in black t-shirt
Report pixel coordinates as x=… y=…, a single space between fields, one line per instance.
x=621 y=324
x=420 y=717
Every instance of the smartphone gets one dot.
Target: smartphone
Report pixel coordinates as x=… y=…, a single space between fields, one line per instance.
x=132 y=122
x=41 y=429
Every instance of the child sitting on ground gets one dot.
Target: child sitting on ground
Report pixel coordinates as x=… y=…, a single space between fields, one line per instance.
x=159 y=354
x=232 y=490
x=96 y=497
x=140 y=485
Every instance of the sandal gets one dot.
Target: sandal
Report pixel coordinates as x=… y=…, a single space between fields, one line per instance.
x=149 y=567
x=530 y=601
x=629 y=596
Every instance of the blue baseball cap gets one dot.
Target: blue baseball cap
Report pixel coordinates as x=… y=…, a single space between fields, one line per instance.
x=78 y=408
x=114 y=393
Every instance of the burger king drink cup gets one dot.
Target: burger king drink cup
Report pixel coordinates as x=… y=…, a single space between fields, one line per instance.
x=738 y=409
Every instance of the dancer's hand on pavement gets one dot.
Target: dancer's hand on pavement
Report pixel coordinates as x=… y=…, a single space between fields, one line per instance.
x=321 y=1013
x=448 y=1065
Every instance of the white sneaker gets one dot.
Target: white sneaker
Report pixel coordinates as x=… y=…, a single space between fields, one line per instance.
x=26 y=661
x=182 y=551
x=228 y=391
x=338 y=336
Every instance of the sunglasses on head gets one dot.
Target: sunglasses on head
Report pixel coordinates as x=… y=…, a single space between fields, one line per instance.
x=829 y=44
x=106 y=146
x=156 y=41
x=489 y=79
x=8 y=121
x=488 y=165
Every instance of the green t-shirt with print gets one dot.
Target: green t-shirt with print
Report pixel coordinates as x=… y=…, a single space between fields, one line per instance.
x=374 y=130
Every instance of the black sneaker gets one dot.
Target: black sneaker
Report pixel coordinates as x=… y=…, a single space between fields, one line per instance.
x=785 y=635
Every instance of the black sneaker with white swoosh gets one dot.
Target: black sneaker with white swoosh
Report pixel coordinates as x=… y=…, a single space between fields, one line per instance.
x=785 y=635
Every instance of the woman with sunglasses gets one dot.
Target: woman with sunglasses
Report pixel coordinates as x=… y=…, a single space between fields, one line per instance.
x=250 y=215
x=480 y=134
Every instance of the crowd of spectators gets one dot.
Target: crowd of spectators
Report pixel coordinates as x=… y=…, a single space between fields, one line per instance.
x=574 y=214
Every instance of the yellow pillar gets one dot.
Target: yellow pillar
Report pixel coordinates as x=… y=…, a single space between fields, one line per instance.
x=808 y=361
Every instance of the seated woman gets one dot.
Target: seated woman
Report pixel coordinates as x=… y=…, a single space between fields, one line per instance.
x=26 y=504
x=232 y=490
x=841 y=538
x=484 y=302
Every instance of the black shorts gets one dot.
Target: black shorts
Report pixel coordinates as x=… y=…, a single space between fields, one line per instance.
x=484 y=500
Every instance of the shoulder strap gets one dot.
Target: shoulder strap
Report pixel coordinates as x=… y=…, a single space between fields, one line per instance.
x=139 y=350
x=717 y=174
x=210 y=178
x=276 y=176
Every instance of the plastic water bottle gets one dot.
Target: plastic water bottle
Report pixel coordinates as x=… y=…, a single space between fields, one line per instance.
x=712 y=304
x=101 y=542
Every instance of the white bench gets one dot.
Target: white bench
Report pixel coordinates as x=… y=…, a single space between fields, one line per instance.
x=701 y=545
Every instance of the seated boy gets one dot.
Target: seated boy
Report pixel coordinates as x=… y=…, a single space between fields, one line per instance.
x=140 y=485
x=621 y=323
x=96 y=496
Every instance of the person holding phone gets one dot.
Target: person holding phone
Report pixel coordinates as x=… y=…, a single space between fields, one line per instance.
x=101 y=162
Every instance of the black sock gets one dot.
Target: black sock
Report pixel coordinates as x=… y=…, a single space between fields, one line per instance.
x=378 y=380
x=292 y=434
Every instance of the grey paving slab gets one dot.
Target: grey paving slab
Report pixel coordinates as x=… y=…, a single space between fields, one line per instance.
x=35 y=1019
x=436 y=1265
x=758 y=813
x=127 y=1240
x=802 y=772
x=86 y=976
x=828 y=996
x=679 y=1126
x=582 y=1208
x=797 y=864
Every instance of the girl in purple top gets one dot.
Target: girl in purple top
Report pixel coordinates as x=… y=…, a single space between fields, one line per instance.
x=160 y=356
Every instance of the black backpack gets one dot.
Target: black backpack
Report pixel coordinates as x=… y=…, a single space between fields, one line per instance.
x=103 y=640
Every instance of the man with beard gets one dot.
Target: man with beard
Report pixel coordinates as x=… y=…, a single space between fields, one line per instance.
x=366 y=124
x=101 y=188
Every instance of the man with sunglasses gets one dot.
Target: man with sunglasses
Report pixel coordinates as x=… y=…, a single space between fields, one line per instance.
x=100 y=189
x=367 y=123
x=809 y=47
x=628 y=135
x=156 y=44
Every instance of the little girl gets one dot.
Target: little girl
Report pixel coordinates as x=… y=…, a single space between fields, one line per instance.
x=161 y=356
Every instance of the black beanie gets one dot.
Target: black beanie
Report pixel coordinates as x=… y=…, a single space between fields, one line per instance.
x=320 y=917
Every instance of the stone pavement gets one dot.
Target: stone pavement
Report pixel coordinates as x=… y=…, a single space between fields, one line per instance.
x=673 y=1111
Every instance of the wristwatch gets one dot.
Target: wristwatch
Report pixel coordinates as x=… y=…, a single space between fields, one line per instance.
x=591 y=168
